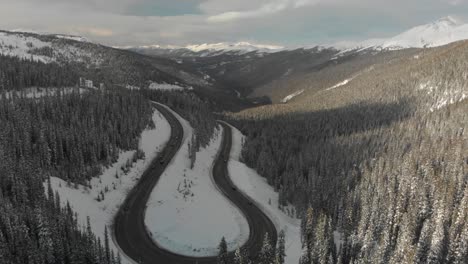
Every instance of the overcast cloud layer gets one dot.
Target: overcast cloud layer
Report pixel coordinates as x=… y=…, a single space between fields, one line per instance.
x=182 y=22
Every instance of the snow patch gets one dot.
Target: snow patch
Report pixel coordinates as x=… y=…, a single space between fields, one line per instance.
x=167 y=87
x=291 y=96
x=339 y=84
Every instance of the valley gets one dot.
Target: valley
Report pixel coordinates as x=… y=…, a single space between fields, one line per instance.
x=235 y=153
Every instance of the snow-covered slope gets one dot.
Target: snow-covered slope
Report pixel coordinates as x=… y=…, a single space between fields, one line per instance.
x=438 y=33
x=441 y=32
x=186 y=213
x=258 y=189
x=45 y=48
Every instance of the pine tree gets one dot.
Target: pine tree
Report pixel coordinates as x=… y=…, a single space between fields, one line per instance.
x=223 y=257
x=240 y=256
x=106 y=246
x=281 y=250
x=267 y=252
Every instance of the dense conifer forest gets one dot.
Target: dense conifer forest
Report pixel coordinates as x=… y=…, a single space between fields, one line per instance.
x=381 y=164
x=71 y=137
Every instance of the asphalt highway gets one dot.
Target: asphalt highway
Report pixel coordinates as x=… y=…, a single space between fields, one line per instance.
x=129 y=228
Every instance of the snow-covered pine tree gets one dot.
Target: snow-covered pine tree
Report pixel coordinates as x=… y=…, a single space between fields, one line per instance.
x=280 y=251
x=267 y=253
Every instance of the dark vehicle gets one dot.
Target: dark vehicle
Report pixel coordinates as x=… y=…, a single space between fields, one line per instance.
x=234 y=188
x=250 y=203
x=161 y=161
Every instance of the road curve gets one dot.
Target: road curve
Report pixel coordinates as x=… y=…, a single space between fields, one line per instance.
x=129 y=227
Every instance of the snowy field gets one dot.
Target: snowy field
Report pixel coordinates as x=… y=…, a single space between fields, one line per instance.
x=114 y=183
x=186 y=213
x=257 y=188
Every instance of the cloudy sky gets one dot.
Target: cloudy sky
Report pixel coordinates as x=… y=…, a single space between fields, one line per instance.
x=182 y=22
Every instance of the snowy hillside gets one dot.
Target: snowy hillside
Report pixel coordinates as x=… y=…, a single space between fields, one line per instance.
x=179 y=206
x=45 y=48
x=114 y=183
x=258 y=189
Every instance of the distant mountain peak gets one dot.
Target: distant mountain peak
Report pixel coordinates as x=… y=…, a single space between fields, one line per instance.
x=450 y=21
x=440 y=32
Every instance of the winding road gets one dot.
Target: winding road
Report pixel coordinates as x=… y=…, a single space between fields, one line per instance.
x=129 y=228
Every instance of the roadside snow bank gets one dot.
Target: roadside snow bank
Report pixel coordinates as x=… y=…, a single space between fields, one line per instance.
x=113 y=182
x=257 y=188
x=186 y=213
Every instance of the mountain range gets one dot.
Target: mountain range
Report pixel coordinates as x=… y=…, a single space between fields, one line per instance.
x=443 y=31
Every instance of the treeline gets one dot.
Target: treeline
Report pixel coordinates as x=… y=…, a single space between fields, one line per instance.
x=269 y=253
x=16 y=74
x=396 y=188
x=69 y=136
x=72 y=136
x=192 y=108
x=378 y=167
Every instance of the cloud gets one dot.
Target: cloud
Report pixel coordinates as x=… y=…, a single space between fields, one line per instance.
x=281 y=22
x=98 y=32
x=263 y=10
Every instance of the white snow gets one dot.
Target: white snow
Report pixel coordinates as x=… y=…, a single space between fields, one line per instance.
x=18 y=45
x=291 y=96
x=167 y=87
x=257 y=188
x=186 y=213
x=441 y=32
x=83 y=199
x=442 y=94
x=22 y=45
x=339 y=84
x=239 y=46
x=132 y=87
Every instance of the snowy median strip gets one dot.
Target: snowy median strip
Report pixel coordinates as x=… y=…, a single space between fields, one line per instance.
x=186 y=214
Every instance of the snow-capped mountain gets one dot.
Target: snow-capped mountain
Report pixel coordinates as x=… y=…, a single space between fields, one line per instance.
x=207 y=49
x=441 y=32
x=239 y=46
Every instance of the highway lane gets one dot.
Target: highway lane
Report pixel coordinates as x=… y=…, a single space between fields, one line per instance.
x=129 y=228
